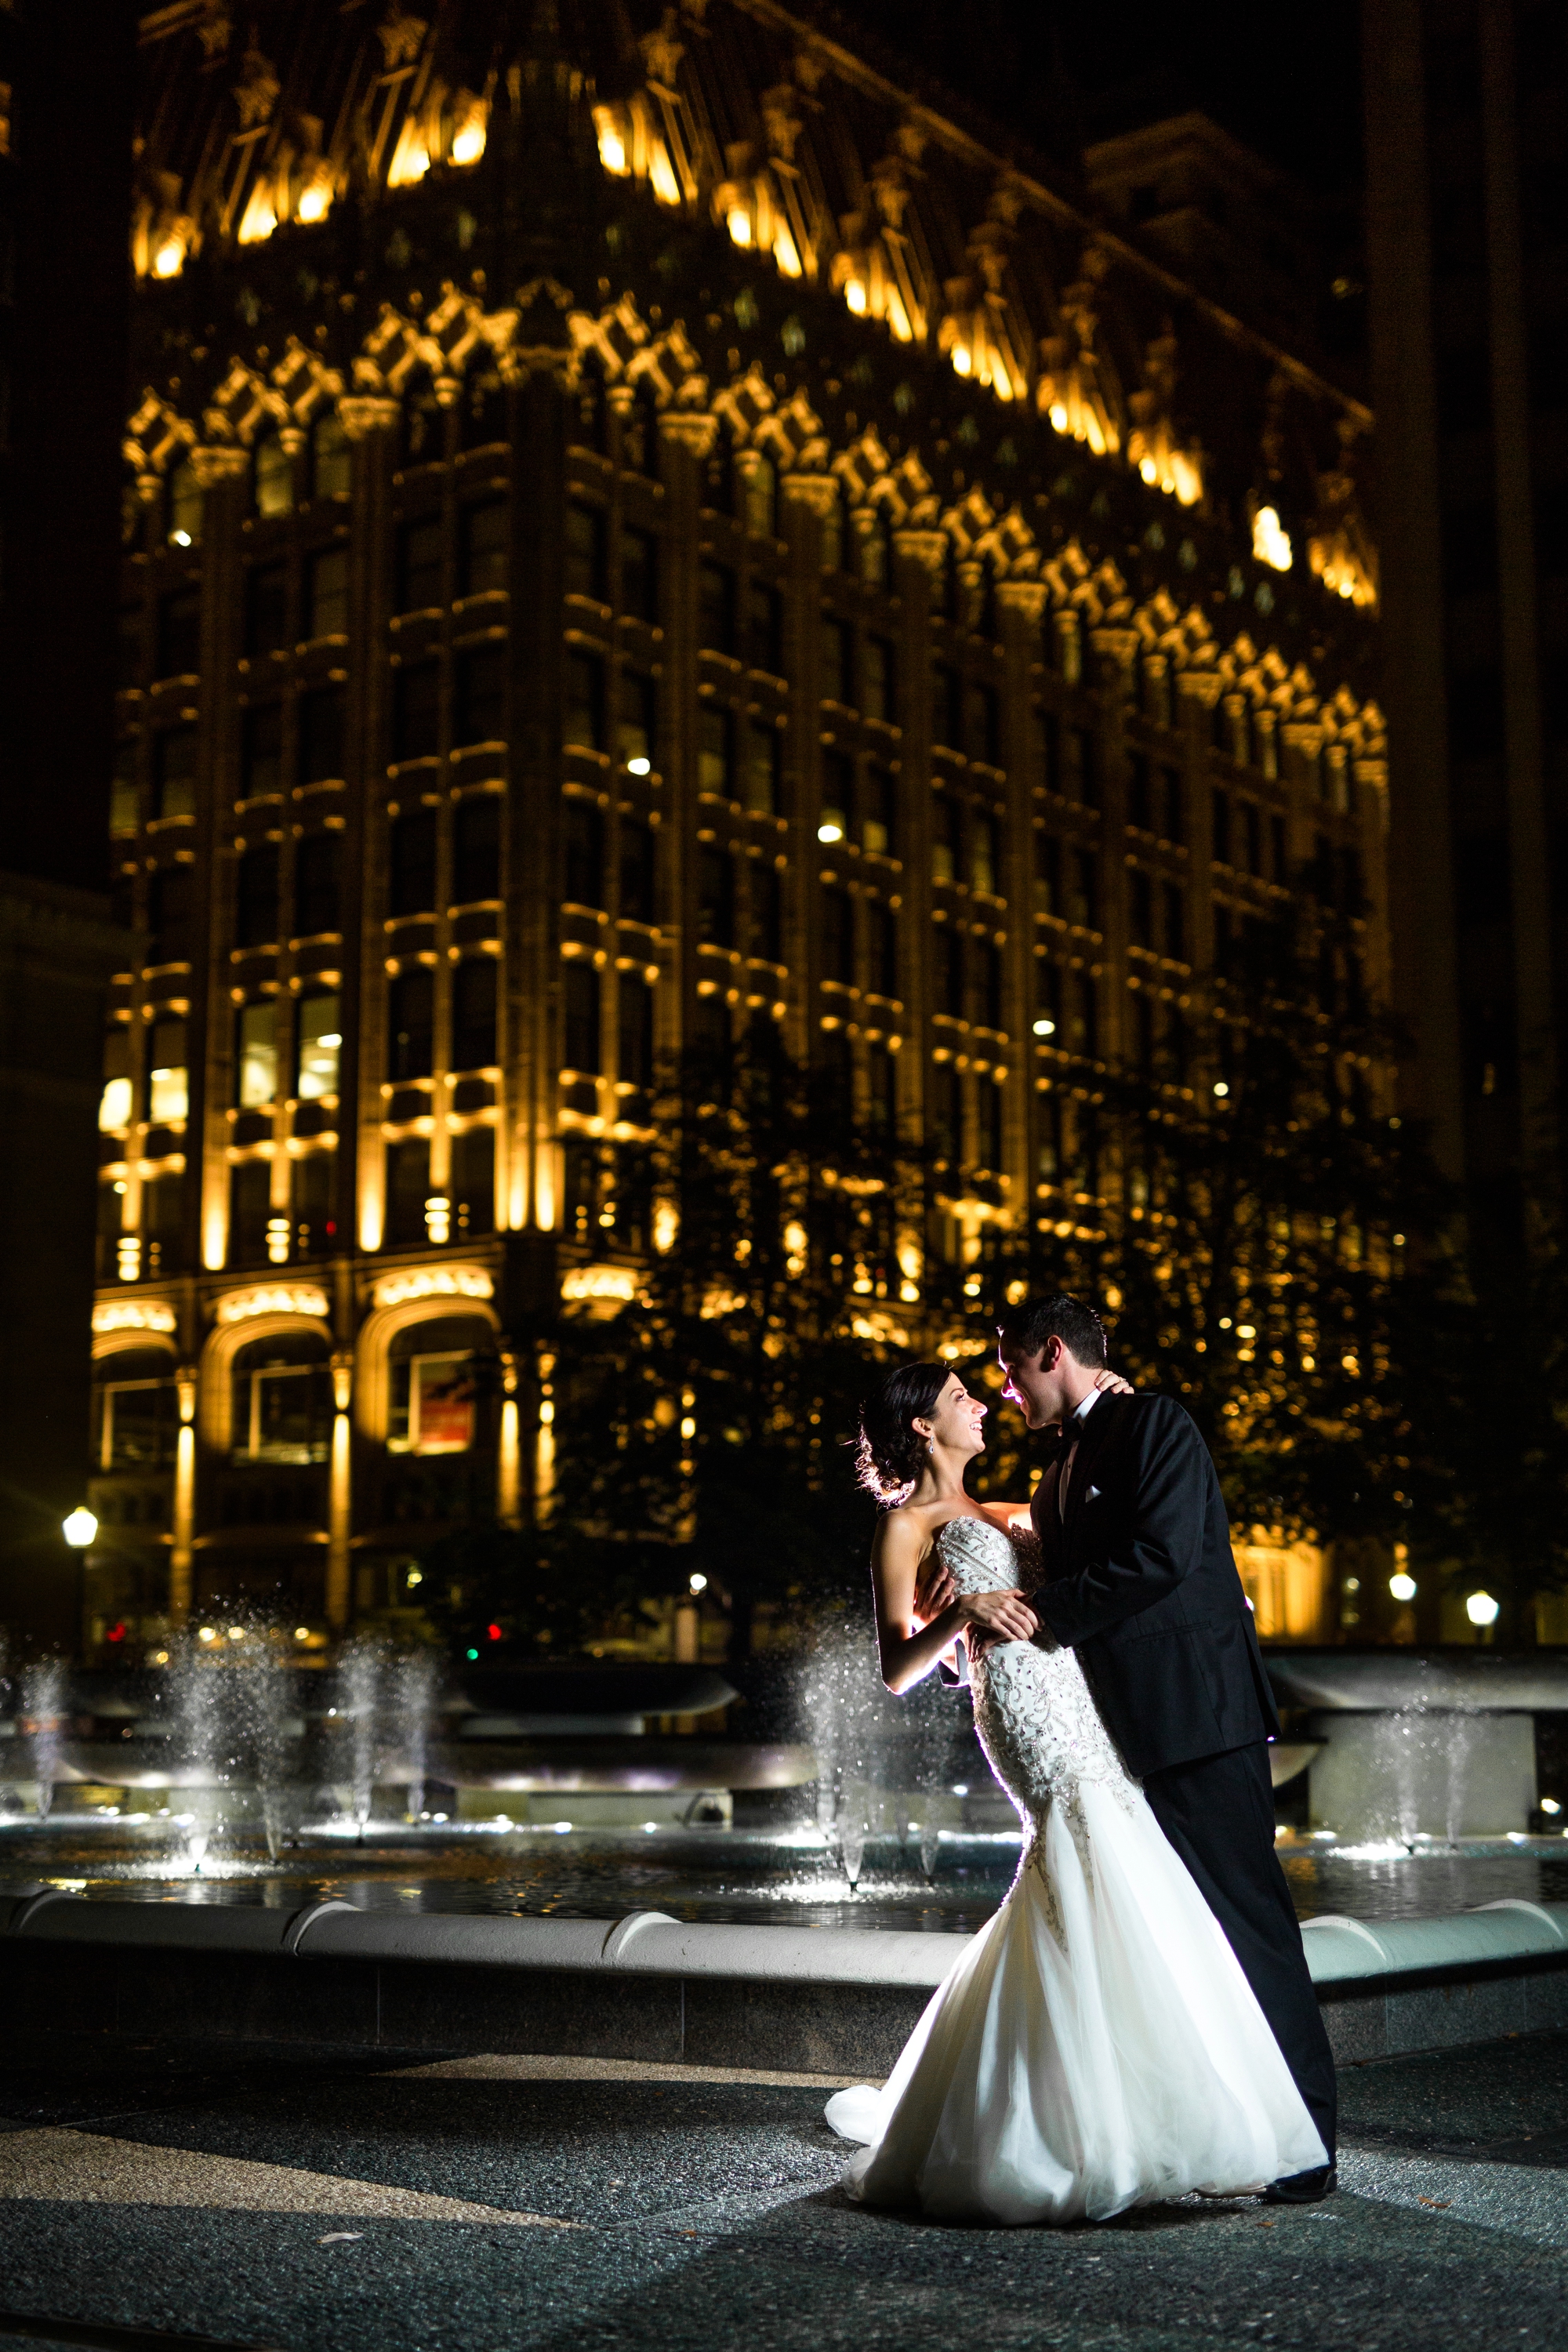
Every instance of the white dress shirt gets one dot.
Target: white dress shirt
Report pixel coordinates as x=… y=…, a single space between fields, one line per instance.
x=1072 y=1430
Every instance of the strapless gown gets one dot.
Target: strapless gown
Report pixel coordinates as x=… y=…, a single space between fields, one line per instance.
x=1097 y=2046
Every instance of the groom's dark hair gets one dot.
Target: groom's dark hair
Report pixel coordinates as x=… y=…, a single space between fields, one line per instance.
x=1025 y=1329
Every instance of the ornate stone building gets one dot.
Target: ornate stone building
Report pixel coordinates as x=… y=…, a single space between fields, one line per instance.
x=635 y=526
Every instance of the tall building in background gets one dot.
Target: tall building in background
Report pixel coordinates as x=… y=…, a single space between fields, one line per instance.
x=1467 y=249
x=66 y=86
x=640 y=527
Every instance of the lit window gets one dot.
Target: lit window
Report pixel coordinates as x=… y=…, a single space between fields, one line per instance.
x=115 y=1103
x=330 y=458
x=432 y=1405
x=257 y=1055
x=274 y=478
x=140 y=1419
x=185 y=509
x=282 y=1410
x=167 y=1092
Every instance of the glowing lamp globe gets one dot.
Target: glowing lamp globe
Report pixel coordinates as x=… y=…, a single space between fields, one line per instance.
x=1481 y=1609
x=80 y=1529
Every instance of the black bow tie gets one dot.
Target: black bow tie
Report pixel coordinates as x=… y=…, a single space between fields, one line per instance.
x=1072 y=1431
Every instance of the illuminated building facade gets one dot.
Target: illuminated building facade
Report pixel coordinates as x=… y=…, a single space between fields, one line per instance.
x=624 y=542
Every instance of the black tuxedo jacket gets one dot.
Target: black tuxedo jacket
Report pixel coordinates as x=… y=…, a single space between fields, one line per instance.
x=1141 y=1581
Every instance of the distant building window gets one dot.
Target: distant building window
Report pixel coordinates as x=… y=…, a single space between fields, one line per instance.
x=256 y=896
x=249 y=1206
x=138 y=1425
x=168 y=1077
x=581 y=1041
x=474 y=1014
x=261 y=749
x=634 y=1007
x=323 y=717
x=982 y=853
x=715 y=896
x=327 y=594
x=407 y=1190
x=585 y=553
x=314 y=1174
x=432 y=1405
x=256 y=1054
x=478 y=701
x=411 y=1024
x=421 y=565
x=472 y=1181
x=184 y=508
x=316 y=885
x=417 y=711
x=761 y=777
x=320 y=1043
x=639 y=574
x=716 y=608
x=584 y=717
x=637 y=871
x=282 y=1402
x=883 y=943
x=767 y=913
x=582 y=841
x=274 y=478
x=944 y=838
x=947 y=707
x=169 y=916
x=483 y=549
x=715 y=751
x=115 y=1103
x=764 y=628
x=267 y=609
x=330 y=459
x=413 y=863
x=476 y=849
x=836 y=681
x=174 y=772
x=180 y=633
x=877 y=801
x=634 y=723
x=761 y=499
x=838 y=936
x=876 y=690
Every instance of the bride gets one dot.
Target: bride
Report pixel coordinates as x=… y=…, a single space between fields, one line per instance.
x=1097 y=2046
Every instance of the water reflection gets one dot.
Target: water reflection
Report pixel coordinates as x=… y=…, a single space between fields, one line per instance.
x=795 y=1878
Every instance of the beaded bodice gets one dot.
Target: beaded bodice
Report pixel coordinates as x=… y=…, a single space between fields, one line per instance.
x=1034 y=1712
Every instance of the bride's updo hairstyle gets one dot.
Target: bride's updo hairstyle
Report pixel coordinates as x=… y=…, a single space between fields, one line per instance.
x=891 y=1451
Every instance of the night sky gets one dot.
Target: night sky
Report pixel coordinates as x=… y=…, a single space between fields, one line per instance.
x=1286 y=80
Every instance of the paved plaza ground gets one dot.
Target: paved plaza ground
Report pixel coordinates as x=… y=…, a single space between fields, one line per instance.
x=300 y=2201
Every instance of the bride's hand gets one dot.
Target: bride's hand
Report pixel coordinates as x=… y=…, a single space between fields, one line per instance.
x=1001 y=1616
x=1112 y=1384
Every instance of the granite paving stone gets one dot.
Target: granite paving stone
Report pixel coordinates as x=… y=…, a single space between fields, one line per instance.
x=709 y=2213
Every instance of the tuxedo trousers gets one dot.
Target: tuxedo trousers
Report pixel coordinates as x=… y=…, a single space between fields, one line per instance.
x=1218 y=1813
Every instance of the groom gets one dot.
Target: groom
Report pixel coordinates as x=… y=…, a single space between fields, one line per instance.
x=1140 y=1581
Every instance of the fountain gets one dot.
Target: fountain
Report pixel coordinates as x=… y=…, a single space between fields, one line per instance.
x=43 y=1703
x=1412 y=1743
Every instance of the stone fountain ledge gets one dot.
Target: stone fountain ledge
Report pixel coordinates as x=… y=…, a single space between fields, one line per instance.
x=814 y=1999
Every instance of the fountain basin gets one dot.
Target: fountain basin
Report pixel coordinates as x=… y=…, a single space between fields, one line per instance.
x=1463 y=1680
x=646 y=1985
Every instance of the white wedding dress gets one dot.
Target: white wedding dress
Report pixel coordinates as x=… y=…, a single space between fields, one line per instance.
x=1097 y=2046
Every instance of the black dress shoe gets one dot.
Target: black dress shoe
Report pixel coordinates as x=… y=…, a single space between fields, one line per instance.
x=1303 y=2188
